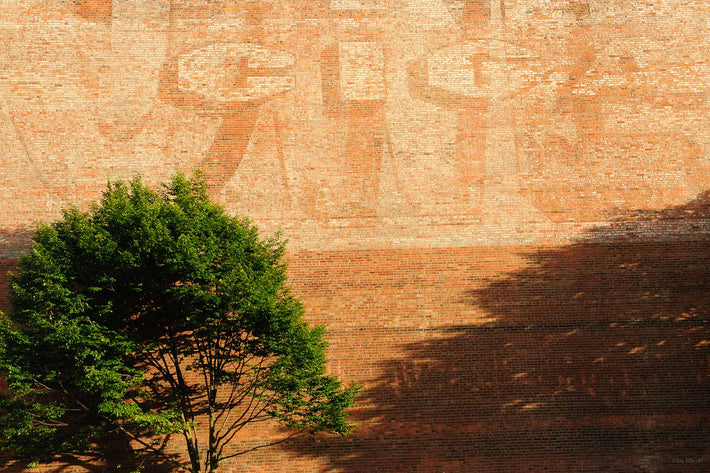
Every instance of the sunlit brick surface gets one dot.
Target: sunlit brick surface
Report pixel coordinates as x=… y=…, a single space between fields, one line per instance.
x=363 y=123
x=498 y=207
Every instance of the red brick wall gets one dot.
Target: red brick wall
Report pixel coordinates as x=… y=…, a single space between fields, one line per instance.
x=585 y=357
x=497 y=207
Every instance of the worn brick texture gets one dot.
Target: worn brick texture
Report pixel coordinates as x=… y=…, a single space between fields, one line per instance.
x=499 y=208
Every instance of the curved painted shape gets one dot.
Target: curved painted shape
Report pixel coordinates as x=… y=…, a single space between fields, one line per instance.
x=235 y=72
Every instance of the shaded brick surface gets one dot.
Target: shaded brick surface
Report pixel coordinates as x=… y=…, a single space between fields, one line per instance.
x=592 y=356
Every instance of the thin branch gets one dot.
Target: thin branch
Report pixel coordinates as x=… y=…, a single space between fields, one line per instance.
x=74 y=398
x=238 y=373
x=163 y=369
x=42 y=385
x=50 y=424
x=260 y=411
x=208 y=378
x=186 y=407
x=152 y=448
x=253 y=386
x=239 y=423
x=242 y=397
x=294 y=435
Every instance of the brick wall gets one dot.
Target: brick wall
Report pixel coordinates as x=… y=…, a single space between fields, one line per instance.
x=497 y=207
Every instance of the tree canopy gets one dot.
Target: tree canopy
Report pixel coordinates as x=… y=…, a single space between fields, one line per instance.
x=155 y=313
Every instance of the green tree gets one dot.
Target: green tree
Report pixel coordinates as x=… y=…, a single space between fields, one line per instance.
x=155 y=313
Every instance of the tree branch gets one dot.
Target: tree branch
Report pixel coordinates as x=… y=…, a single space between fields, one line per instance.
x=293 y=435
x=151 y=448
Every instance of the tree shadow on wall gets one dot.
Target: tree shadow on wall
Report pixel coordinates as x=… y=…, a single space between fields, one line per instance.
x=116 y=453
x=598 y=360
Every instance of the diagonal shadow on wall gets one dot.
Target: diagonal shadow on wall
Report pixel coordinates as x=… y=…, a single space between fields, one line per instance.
x=597 y=359
x=115 y=454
